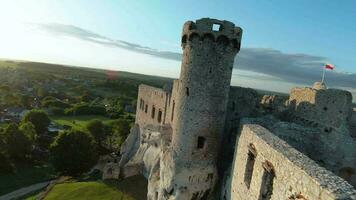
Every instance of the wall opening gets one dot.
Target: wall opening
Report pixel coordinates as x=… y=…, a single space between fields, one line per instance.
x=201 y=142
x=187 y=91
x=141 y=104
x=216 y=27
x=209 y=178
x=195 y=196
x=153 y=112
x=159 y=116
x=268 y=176
x=172 y=114
x=251 y=157
x=146 y=108
x=184 y=39
x=346 y=173
x=233 y=106
x=205 y=195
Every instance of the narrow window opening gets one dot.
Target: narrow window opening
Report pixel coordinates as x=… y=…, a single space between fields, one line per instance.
x=251 y=157
x=187 y=91
x=216 y=27
x=171 y=191
x=146 y=108
x=267 y=181
x=233 y=106
x=172 y=114
x=205 y=195
x=195 y=196
x=153 y=112
x=201 y=142
x=159 y=117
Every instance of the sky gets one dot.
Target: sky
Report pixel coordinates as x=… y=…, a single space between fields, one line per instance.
x=284 y=44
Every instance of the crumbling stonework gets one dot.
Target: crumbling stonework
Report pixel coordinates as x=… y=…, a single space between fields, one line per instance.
x=294 y=175
x=183 y=140
x=316 y=106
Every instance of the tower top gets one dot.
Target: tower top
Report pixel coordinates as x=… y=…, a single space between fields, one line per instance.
x=319 y=86
x=206 y=27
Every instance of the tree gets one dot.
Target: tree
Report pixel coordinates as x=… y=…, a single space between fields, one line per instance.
x=29 y=130
x=26 y=101
x=97 y=129
x=18 y=145
x=73 y=152
x=120 y=129
x=39 y=119
x=5 y=165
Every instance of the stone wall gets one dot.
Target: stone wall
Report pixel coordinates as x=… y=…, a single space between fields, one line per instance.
x=243 y=102
x=266 y=167
x=353 y=124
x=327 y=109
x=151 y=106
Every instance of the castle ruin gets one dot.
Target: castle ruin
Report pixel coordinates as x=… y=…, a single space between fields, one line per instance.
x=204 y=139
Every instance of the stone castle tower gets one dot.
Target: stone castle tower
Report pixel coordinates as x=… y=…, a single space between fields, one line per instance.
x=204 y=84
x=209 y=49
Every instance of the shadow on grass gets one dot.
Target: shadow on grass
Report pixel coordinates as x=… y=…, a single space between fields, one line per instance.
x=135 y=186
x=25 y=176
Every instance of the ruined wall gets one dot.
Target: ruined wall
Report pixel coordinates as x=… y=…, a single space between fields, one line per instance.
x=353 y=124
x=243 y=102
x=171 y=106
x=151 y=106
x=328 y=109
x=267 y=168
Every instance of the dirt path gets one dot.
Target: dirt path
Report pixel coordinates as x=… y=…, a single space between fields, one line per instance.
x=25 y=190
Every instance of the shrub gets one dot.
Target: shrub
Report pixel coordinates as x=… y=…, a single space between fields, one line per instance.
x=73 y=152
x=39 y=119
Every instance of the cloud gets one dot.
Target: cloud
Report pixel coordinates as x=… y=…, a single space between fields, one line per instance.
x=296 y=68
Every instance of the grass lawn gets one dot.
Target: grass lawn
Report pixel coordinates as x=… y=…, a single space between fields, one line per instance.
x=136 y=186
x=78 y=122
x=86 y=191
x=24 y=177
x=133 y=188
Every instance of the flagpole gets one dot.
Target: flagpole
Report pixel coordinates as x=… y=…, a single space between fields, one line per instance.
x=323 y=78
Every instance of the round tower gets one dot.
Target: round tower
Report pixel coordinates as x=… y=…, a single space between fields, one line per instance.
x=209 y=49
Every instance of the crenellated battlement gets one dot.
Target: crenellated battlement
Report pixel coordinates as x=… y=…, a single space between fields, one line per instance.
x=222 y=32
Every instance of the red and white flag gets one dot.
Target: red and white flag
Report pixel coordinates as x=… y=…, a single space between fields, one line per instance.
x=329 y=66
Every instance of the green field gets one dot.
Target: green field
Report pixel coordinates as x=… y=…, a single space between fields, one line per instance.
x=78 y=122
x=24 y=177
x=85 y=191
x=132 y=188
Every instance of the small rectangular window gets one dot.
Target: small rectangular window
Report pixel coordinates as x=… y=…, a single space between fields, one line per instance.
x=141 y=104
x=159 y=117
x=172 y=114
x=201 y=142
x=268 y=176
x=153 y=112
x=216 y=27
x=249 y=168
x=146 y=108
